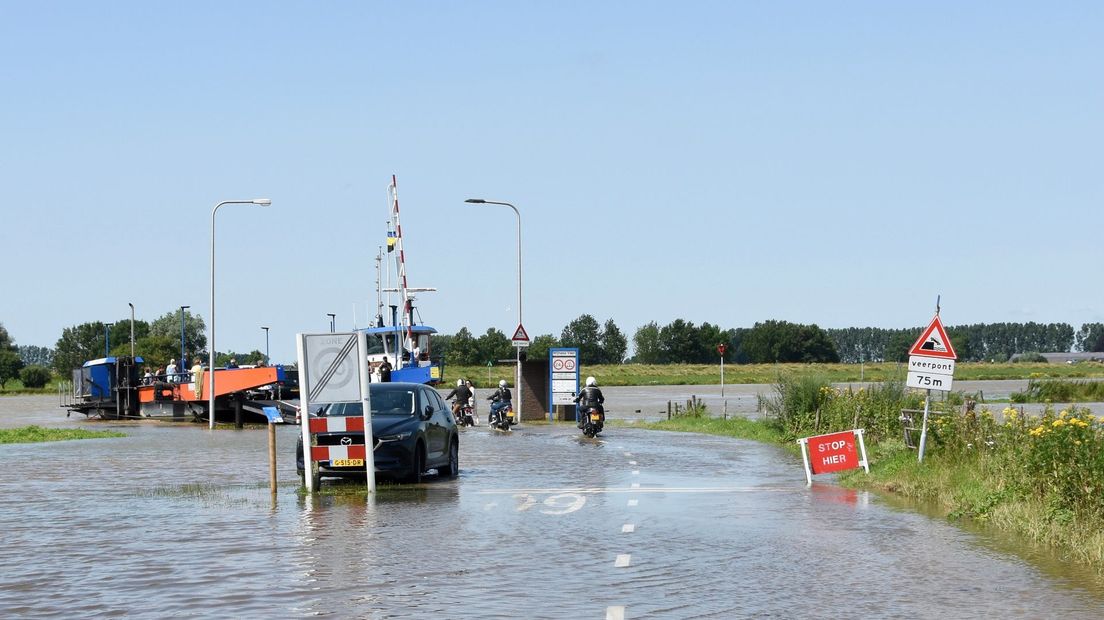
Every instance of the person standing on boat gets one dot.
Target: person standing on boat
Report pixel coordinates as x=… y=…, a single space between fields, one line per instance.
x=197 y=378
x=385 y=371
x=170 y=370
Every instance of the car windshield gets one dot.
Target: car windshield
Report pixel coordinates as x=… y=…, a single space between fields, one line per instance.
x=387 y=400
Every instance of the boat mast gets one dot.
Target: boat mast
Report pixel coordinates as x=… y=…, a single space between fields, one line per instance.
x=379 y=288
x=407 y=320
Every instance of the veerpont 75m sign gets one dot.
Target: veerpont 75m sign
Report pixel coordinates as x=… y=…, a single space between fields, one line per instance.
x=932 y=359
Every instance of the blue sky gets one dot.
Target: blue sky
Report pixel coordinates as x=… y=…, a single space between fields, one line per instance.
x=730 y=162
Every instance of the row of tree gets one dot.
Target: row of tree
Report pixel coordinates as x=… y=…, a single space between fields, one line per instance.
x=977 y=342
x=678 y=342
x=683 y=342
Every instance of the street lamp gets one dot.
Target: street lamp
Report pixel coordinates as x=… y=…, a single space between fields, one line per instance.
x=182 y=309
x=131 y=332
x=266 y=345
x=480 y=201
x=264 y=202
x=332 y=317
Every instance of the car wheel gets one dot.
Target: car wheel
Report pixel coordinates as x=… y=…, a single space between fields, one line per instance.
x=453 y=467
x=417 y=465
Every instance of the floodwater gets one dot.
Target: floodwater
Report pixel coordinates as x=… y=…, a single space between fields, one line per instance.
x=541 y=523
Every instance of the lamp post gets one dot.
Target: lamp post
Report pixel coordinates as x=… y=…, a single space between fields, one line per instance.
x=332 y=317
x=266 y=345
x=264 y=202
x=131 y=331
x=480 y=201
x=182 y=309
x=107 y=339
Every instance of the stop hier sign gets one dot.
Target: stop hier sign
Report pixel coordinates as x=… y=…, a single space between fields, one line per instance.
x=833 y=452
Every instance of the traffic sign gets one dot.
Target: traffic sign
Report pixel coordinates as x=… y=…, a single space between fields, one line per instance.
x=929 y=381
x=520 y=336
x=721 y=349
x=833 y=452
x=933 y=342
x=931 y=365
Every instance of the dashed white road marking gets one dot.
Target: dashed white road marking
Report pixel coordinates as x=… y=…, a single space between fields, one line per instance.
x=615 y=612
x=622 y=560
x=633 y=502
x=636 y=472
x=635 y=485
x=628 y=528
x=628 y=454
x=632 y=462
x=553 y=491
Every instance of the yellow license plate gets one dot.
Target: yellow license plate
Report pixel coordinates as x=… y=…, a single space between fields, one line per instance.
x=347 y=463
x=594 y=417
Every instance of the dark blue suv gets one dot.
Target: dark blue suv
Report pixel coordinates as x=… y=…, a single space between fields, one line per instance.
x=413 y=429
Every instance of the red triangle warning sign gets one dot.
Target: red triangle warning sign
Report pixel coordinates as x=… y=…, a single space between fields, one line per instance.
x=933 y=342
x=520 y=335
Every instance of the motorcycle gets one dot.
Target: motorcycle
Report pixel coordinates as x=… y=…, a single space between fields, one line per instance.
x=465 y=416
x=502 y=419
x=593 y=420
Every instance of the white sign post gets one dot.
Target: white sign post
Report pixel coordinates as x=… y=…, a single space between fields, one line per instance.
x=931 y=367
x=333 y=369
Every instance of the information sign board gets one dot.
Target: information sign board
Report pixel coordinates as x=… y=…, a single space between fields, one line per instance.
x=563 y=375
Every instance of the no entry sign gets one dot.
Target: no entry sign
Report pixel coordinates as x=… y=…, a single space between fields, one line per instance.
x=824 y=454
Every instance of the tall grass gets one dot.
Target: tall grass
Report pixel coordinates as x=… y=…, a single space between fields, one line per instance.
x=809 y=405
x=1057 y=391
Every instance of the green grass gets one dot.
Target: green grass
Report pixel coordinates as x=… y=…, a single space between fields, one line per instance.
x=739 y=427
x=38 y=434
x=1059 y=391
x=14 y=387
x=976 y=490
x=710 y=374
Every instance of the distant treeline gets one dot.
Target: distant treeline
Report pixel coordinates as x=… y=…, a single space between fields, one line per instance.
x=683 y=342
x=972 y=343
x=678 y=342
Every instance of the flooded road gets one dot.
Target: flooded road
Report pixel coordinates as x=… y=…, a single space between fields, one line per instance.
x=541 y=523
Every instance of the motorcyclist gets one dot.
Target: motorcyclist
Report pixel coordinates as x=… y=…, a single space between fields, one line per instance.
x=499 y=400
x=463 y=395
x=590 y=396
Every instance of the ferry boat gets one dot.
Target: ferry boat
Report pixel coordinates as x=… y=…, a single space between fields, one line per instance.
x=113 y=388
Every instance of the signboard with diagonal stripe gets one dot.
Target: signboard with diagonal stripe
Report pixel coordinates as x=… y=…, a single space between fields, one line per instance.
x=332 y=373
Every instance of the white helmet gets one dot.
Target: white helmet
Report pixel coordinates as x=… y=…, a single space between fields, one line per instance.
x=459 y=382
x=591 y=382
x=502 y=383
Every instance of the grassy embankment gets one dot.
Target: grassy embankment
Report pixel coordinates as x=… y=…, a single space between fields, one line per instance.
x=706 y=374
x=15 y=387
x=38 y=434
x=1040 y=477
